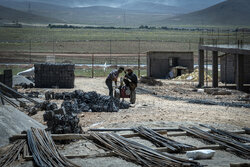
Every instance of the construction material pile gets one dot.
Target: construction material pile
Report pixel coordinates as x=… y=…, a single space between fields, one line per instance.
x=61 y=122
x=137 y=152
x=6 y=78
x=150 y=81
x=22 y=81
x=194 y=76
x=79 y=101
x=17 y=150
x=234 y=143
x=54 y=75
x=160 y=141
x=44 y=151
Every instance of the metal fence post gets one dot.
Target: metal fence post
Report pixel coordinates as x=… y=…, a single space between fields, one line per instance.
x=93 y=61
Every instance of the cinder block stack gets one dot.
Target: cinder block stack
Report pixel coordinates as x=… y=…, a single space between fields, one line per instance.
x=54 y=75
x=6 y=78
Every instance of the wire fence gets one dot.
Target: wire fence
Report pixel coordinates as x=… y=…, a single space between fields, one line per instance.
x=94 y=58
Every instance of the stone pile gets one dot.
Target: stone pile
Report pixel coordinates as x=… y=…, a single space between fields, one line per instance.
x=79 y=101
x=54 y=75
x=61 y=122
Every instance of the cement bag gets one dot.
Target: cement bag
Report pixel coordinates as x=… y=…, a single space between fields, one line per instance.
x=200 y=154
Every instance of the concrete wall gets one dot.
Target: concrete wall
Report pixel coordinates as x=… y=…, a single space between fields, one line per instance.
x=158 y=62
x=228 y=69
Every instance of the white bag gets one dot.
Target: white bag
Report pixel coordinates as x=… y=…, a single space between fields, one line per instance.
x=200 y=154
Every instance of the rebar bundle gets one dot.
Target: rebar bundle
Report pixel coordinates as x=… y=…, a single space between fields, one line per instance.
x=239 y=148
x=44 y=150
x=138 y=153
x=14 y=153
x=228 y=134
x=160 y=141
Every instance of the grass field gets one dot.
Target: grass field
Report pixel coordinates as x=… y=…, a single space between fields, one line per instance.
x=21 y=45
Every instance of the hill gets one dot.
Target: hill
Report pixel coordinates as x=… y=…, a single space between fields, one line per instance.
x=149 y=7
x=9 y=15
x=230 y=12
x=92 y=15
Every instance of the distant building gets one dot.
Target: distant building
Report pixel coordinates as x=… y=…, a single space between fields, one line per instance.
x=15 y=24
x=160 y=63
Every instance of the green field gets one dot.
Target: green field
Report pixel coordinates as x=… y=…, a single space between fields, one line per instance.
x=42 y=39
x=30 y=40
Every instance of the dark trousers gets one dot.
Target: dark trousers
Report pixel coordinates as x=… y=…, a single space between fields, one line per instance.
x=109 y=85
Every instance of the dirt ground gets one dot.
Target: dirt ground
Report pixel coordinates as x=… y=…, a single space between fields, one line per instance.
x=165 y=106
x=152 y=108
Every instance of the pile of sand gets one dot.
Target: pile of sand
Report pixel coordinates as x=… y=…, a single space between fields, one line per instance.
x=13 y=121
x=194 y=76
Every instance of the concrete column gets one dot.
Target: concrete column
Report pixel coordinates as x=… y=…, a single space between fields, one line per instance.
x=201 y=68
x=239 y=72
x=215 y=69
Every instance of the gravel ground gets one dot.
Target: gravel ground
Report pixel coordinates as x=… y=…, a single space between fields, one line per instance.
x=152 y=110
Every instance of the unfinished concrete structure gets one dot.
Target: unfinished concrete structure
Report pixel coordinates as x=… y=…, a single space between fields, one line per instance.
x=238 y=64
x=160 y=63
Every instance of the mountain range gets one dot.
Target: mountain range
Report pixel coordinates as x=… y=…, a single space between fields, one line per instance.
x=128 y=12
x=230 y=12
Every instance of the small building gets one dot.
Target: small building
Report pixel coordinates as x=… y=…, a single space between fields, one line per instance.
x=160 y=63
x=228 y=69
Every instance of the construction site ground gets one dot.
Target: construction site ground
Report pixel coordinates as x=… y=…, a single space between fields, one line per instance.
x=166 y=106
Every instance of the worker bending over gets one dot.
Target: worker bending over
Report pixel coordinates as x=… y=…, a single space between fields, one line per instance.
x=113 y=76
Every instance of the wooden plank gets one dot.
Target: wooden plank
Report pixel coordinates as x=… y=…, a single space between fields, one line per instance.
x=131 y=129
x=110 y=154
x=186 y=134
x=87 y=136
x=74 y=136
x=240 y=165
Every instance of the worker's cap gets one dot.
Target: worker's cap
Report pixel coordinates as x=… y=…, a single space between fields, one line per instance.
x=129 y=70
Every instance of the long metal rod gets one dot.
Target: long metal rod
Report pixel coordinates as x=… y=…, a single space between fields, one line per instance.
x=17 y=93
x=8 y=100
x=131 y=129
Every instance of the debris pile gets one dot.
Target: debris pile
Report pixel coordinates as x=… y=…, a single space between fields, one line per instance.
x=194 y=76
x=23 y=82
x=150 y=81
x=79 y=101
x=60 y=121
x=45 y=106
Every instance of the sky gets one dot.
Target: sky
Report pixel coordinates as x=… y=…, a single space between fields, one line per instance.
x=118 y=3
